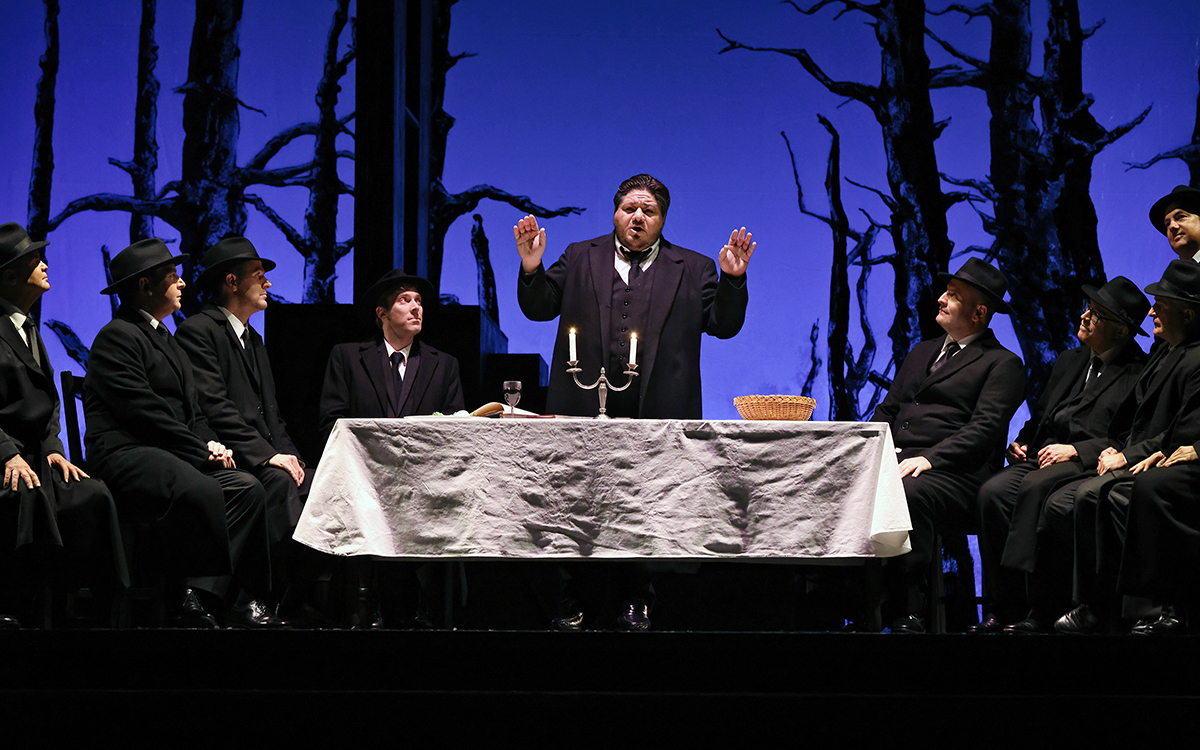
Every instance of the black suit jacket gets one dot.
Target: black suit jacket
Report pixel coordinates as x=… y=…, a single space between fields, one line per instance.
x=356 y=383
x=957 y=417
x=28 y=399
x=140 y=391
x=240 y=406
x=1169 y=383
x=687 y=298
x=1104 y=409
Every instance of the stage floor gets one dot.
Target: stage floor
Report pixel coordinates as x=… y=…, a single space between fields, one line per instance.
x=556 y=688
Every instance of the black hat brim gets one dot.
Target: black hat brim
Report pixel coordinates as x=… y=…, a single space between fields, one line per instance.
x=1185 y=195
x=1108 y=303
x=210 y=274
x=997 y=303
x=117 y=283
x=370 y=299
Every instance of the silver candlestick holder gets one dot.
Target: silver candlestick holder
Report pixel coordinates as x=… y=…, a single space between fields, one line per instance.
x=603 y=383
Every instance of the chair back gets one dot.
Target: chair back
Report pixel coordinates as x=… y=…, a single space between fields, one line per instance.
x=72 y=398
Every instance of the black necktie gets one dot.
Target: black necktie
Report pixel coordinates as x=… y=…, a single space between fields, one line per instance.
x=1094 y=370
x=947 y=353
x=397 y=360
x=31 y=339
x=251 y=355
x=635 y=258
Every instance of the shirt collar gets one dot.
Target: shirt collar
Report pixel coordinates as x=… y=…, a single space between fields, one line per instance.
x=238 y=326
x=962 y=343
x=154 y=322
x=623 y=252
x=392 y=350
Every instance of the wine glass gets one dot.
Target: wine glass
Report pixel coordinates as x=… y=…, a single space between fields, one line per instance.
x=512 y=394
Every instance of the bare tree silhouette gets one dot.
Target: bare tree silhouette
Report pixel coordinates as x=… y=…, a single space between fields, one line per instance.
x=901 y=105
x=445 y=207
x=41 y=173
x=1189 y=154
x=1043 y=142
x=208 y=202
x=848 y=374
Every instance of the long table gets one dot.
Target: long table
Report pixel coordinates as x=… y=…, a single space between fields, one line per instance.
x=466 y=488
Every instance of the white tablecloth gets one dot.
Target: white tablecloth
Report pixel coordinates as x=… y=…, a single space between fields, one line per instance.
x=566 y=488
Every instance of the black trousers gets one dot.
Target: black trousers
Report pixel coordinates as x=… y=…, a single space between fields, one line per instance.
x=208 y=525
x=1162 y=543
x=939 y=502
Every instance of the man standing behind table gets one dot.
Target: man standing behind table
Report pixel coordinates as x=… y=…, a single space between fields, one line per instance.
x=150 y=442
x=633 y=281
x=1177 y=216
x=45 y=499
x=1087 y=403
x=235 y=383
x=948 y=409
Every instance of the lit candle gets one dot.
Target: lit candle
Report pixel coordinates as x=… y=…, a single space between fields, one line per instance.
x=571 y=345
x=633 y=349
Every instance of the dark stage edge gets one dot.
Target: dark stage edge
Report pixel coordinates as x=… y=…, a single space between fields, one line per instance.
x=566 y=689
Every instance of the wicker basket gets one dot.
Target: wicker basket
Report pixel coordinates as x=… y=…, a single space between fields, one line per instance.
x=790 y=408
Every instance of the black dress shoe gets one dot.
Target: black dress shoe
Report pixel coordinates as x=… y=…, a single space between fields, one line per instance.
x=635 y=617
x=253 y=615
x=1165 y=624
x=989 y=624
x=1079 y=621
x=1028 y=626
x=9 y=623
x=572 y=623
x=192 y=613
x=908 y=625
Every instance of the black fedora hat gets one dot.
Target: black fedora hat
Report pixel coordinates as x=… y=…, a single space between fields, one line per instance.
x=136 y=259
x=15 y=243
x=985 y=278
x=221 y=257
x=1123 y=299
x=1184 y=196
x=1180 y=281
x=390 y=282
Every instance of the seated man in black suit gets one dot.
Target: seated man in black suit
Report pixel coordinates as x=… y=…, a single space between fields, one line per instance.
x=1170 y=381
x=948 y=409
x=147 y=437
x=45 y=501
x=1162 y=541
x=237 y=388
x=395 y=375
x=234 y=379
x=1087 y=403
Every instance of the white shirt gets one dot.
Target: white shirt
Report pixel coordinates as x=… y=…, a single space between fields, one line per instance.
x=154 y=322
x=238 y=328
x=404 y=363
x=622 y=264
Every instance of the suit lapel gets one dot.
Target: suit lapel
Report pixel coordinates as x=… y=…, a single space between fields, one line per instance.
x=372 y=357
x=417 y=376
x=668 y=272
x=9 y=333
x=601 y=258
x=964 y=357
x=243 y=354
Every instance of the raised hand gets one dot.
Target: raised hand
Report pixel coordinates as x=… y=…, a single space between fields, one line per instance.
x=735 y=256
x=531 y=243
